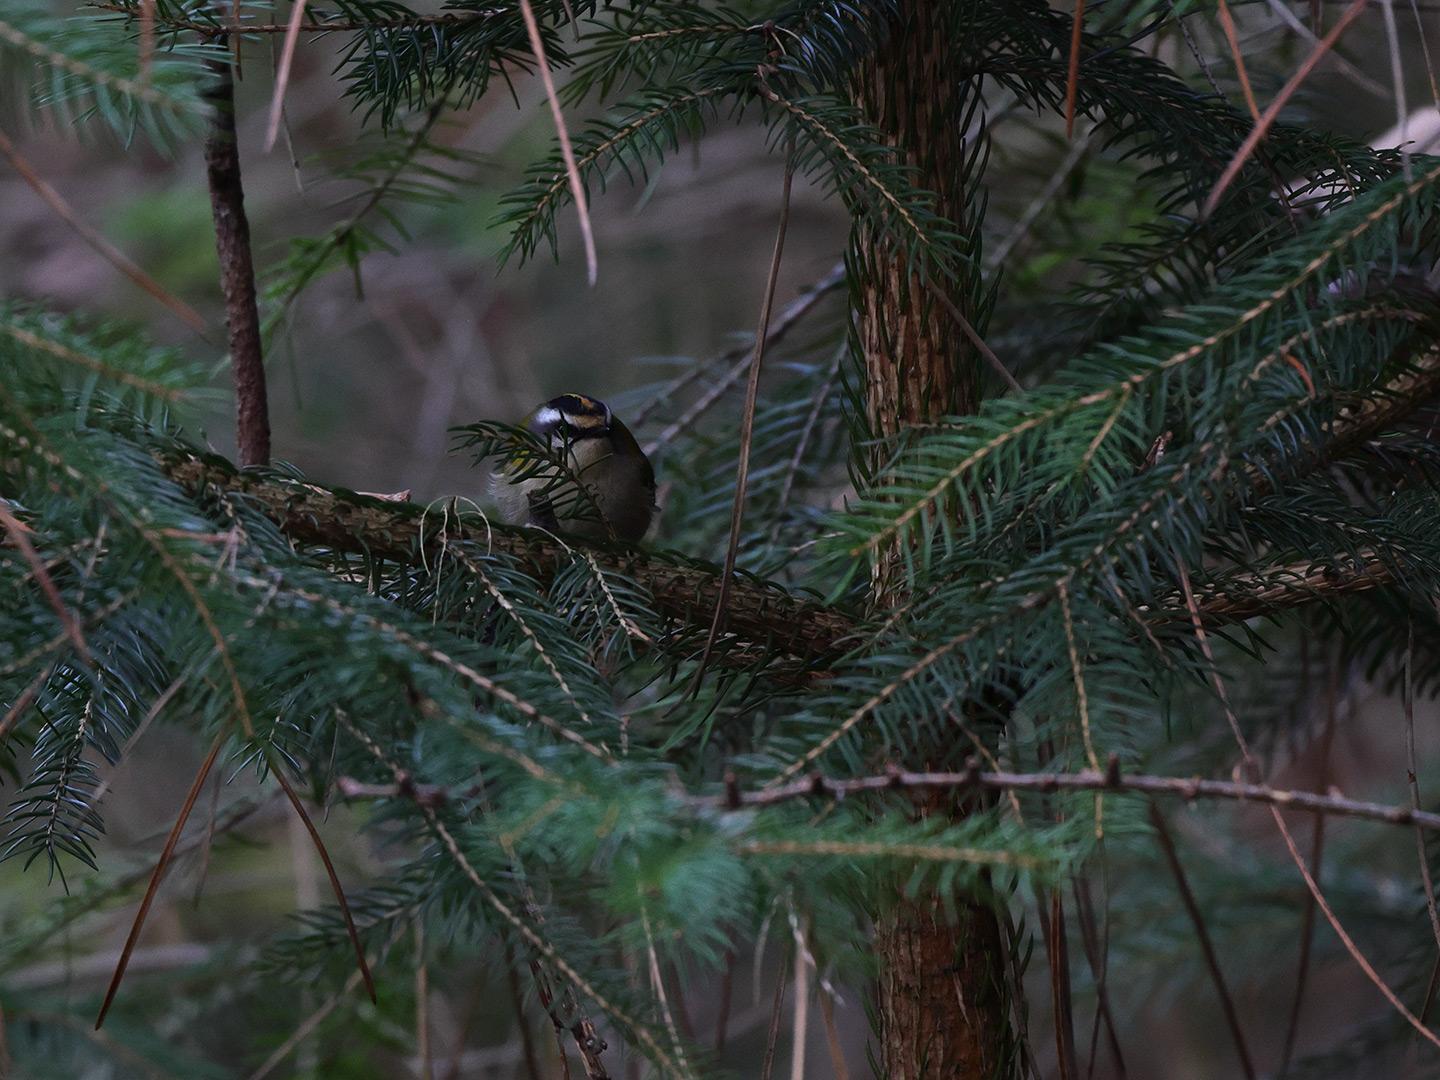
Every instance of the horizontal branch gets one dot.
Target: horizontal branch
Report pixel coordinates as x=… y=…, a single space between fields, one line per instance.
x=685 y=592
x=1086 y=780
x=315 y=25
x=1112 y=779
x=765 y=615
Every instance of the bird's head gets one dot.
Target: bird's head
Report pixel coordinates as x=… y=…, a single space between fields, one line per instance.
x=572 y=417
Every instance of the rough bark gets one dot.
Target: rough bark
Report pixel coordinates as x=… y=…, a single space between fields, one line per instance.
x=942 y=1003
x=684 y=591
x=237 y=272
x=942 y=992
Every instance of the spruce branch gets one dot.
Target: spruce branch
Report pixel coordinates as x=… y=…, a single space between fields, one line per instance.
x=1110 y=779
x=759 y=613
x=345 y=521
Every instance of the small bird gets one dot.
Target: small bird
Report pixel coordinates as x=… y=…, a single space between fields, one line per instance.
x=599 y=451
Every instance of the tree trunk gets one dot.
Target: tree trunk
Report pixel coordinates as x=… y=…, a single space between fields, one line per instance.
x=942 y=1001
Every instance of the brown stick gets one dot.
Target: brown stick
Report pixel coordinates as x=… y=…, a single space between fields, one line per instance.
x=1167 y=845
x=335 y=885
x=106 y=250
x=747 y=422
x=157 y=875
x=818 y=786
x=237 y=271
x=19 y=537
x=1262 y=126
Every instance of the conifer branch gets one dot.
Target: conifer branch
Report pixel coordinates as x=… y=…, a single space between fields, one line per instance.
x=758 y=613
x=820 y=786
x=345 y=521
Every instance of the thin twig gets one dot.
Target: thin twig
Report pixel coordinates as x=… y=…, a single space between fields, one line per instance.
x=102 y=247
x=1043 y=201
x=282 y=73
x=1097 y=949
x=1228 y=25
x=727 y=987
x=1072 y=77
x=1052 y=925
x=1202 y=935
x=1250 y=764
x=527 y=1041
x=577 y=186
x=1425 y=52
x=1397 y=75
x=975 y=339
x=157 y=875
x=747 y=422
x=335 y=886
x=1262 y=126
x=772 y=1037
x=306 y=1028
x=422 y=1005
x=802 y=444
x=800 y=1020
x=838 y=1068
x=1317 y=854
x=739 y=357
x=19 y=537
x=1112 y=779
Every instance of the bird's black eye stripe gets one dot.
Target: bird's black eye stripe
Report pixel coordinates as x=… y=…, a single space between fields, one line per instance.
x=577 y=405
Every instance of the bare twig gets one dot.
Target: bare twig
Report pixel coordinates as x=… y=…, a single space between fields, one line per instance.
x=106 y=250
x=1253 y=768
x=1425 y=52
x=527 y=1041
x=838 y=1068
x=1043 y=200
x=1052 y=925
x=747 y=422
x=577 y=186
x=739 y=357
x=802 y=444
x=237 y=271
x=1202 y=935
x=800 y=1019
x=1397 y=75
x=307 y=1027
x=772 y=1037
x=335 y=886
x=282 y=73
x=973 y=336
x=1112 y=779
x=1267 y=119
x=727 y=987
x=1317 y=853
x=157 y=875
x=1227 y=23
x=1072 y=77
x=19 y=537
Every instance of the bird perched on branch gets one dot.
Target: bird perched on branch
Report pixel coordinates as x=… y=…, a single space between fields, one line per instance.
x=595 y=480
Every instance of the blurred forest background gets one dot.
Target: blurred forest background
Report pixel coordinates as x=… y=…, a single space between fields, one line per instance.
x=370 y=371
